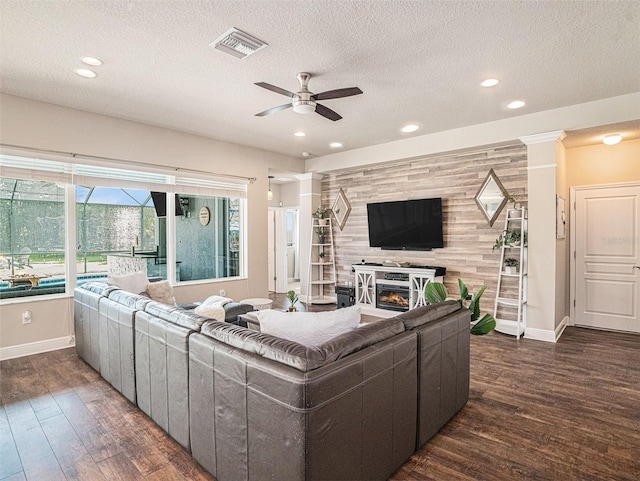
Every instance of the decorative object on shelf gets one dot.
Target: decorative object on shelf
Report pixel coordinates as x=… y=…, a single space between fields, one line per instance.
x=341 y=209
x=292 y=297
x=511 y=265
x=321 y=234
x=561 y=220
x=491 y=197
x=204 y=215
x=508 y=238
x=436 y=292
x=321 y=214
x=321 y=256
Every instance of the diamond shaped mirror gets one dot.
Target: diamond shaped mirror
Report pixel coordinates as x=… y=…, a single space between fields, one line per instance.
x=491 y=197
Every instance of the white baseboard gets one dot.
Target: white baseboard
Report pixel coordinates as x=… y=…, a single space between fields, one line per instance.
x=547 y=334
x=20 y=350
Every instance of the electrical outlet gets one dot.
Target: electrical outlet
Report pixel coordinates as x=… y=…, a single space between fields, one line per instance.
x=26 y=317
x=222 y=292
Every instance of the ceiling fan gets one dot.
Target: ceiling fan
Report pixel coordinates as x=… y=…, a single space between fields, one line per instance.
x=305 y=101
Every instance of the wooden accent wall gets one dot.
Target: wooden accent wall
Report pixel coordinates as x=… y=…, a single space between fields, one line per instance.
x=454 y=177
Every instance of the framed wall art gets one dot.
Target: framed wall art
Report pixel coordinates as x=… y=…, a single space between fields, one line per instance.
x=341 y=209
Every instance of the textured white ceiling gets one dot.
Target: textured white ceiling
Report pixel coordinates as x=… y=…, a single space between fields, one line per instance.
x=416 y=61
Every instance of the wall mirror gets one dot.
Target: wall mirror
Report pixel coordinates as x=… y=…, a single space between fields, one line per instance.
x=491 y=197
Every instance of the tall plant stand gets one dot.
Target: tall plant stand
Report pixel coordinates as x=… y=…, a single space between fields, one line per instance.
x=322 y=264
x=510 y=308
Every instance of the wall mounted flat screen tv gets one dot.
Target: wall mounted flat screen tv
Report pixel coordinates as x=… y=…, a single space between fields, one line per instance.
x=406 y=224
x=160 y=203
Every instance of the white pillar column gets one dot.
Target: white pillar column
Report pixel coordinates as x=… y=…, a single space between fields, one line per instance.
x=310 y=198
x=542 y=177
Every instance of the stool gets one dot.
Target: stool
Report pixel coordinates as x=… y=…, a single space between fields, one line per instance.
x=258 y=303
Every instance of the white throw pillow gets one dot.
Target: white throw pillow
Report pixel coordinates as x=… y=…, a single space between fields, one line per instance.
x=135 y=283
x=162 y=292
x=309 y=328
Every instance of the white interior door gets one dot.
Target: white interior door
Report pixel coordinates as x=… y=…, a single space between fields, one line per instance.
x=607 y=264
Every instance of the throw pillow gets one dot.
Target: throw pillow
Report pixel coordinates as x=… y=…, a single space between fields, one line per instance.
x=309 y=328
x=161 y=292
x=135 y=283
x=213 y=307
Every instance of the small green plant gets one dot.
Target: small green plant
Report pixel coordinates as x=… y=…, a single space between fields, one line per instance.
x=508 y=238
x=514 y=197
x=320 y=212
x=292 y=297
x=321 y=255
x=436 y=292
x=511 y=262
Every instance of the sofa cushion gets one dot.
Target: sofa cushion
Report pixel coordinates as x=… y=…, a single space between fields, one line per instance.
x=296 y=355
x=425 y=314
x=309 y=328
x=176 y=315
x=162 y=292
x=135 y=283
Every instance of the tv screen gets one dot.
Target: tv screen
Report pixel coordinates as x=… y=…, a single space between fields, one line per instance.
x=160 y=203
x=406 y=224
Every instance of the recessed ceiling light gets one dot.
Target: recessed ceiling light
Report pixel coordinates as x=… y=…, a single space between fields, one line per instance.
x=95 y=62
x=516 y=104
x=305 y=154
x=299 y=134
x=86 y=73
x=490 y=82
x=335 y=145
x=410 y=128
x=612 y=139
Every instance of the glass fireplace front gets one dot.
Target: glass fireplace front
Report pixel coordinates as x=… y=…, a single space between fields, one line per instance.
x=395 y=298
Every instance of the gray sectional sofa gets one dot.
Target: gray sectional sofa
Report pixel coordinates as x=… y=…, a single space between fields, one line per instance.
x=250 y=406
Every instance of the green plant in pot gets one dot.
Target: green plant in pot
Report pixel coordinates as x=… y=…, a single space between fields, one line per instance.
x=321 y=213
x=436 y=292
x=511 y=265
x=321 y=256
x=292 y=297
x=321 y=234
x=508 y=238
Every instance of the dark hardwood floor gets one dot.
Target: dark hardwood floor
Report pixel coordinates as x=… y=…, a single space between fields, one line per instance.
x=537 y=411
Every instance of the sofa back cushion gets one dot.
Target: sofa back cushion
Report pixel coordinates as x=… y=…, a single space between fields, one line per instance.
x=176 y=315
x=296 y=355
x=426 y=314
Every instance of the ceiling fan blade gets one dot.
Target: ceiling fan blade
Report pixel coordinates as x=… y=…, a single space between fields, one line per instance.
x=273 y=110
x=337 y=93
x=275 y=89
x=327 y=112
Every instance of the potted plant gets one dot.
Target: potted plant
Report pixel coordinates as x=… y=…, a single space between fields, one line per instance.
x=510 y=265
x=508 y=238
x=321 y=213
x=321 y=234
x=292 y=297
x=321 y=257
x=513 y=198
x=436 y=292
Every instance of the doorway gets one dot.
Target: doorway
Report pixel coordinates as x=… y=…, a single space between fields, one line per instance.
x=606 y=264
x=284 y=250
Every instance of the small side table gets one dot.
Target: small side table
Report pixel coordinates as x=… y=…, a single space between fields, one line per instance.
x=258 y=303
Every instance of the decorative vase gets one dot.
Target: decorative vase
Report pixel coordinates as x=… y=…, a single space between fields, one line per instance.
x=292 y=309
x=323 y=221
x=321 y=239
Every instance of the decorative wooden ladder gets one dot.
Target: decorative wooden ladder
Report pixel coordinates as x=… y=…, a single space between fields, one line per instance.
x=322 y=268
x=506 y=304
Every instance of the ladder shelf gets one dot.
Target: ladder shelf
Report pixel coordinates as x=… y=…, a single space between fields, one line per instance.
x=510 y=304
x=322 y=264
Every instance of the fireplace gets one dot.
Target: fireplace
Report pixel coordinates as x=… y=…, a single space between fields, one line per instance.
x=392 y=297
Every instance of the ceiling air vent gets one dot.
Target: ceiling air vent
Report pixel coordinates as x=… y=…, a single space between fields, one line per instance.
x=238 y=43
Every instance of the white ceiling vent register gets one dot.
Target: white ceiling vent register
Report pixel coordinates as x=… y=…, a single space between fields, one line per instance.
x=238 y=43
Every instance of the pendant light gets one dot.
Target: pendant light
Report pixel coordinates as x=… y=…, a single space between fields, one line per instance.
x=270 y=192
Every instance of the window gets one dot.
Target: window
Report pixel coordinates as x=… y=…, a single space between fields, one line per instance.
x=32 y=238
x=121 y=225
x=208 y=249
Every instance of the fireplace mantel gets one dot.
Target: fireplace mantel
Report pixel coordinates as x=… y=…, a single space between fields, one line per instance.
x=415 y=278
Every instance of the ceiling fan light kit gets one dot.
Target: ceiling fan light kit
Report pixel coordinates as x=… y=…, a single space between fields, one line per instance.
x=304 y=101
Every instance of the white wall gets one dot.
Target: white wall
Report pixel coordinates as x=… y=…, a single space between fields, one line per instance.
x=39 y=125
